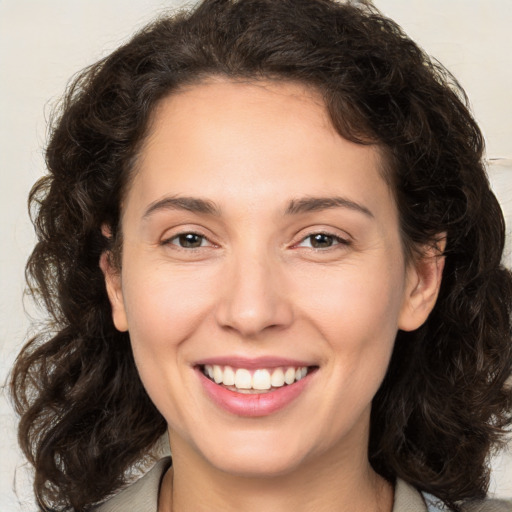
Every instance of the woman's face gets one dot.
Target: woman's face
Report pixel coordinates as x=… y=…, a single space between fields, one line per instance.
x=260 y=246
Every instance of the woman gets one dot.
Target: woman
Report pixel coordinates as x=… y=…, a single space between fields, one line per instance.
x=267 y=232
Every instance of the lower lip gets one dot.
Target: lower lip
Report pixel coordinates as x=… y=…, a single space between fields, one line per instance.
x=254 y=404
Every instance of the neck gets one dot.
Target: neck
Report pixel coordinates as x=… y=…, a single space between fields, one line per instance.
x=347 y=484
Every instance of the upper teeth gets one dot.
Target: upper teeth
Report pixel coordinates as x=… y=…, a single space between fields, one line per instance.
x=260 y=379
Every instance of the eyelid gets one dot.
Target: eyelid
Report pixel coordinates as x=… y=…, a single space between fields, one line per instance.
x=337 y=241
x=343 y=238
x=340 y=239
x=168 y=240
x=177 y=237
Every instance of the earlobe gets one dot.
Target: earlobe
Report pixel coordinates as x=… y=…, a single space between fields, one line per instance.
x=424 y=277
x=114 y=291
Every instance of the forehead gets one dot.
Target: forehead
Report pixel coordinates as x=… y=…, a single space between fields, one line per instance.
x=228 y=140
x=219 y=111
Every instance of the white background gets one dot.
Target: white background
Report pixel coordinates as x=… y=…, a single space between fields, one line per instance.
x=43 y=43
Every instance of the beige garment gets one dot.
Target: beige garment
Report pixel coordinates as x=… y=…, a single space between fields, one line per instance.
x=142 y=496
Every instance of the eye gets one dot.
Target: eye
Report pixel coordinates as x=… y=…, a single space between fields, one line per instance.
x=321 y=241
x=188 y=241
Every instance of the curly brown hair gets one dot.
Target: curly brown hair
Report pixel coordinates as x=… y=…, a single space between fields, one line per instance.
x=444 y=403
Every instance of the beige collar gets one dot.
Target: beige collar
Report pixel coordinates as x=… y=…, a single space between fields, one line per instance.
x=142 y=496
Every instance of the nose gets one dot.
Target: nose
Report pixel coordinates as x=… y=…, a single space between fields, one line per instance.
x=254 y=297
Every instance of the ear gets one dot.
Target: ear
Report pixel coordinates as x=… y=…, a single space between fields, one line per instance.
x=424 y=275
x=112 y=277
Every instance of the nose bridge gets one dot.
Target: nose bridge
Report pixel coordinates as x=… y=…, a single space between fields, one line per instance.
x=254 y=297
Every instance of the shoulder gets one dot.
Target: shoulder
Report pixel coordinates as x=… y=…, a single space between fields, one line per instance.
x=142 y=495
x=409 y=499
x=488 y=506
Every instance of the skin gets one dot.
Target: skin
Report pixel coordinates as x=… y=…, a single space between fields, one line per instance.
x=257 y=287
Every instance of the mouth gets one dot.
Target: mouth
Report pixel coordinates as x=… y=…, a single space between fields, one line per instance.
x=254 y=387
x=255 y=380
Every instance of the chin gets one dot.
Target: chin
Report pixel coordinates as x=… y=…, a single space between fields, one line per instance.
x=262 y=467
x=255 y=458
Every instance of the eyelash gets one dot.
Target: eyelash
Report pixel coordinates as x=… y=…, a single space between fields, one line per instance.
x=177 y=237
x=335 y=240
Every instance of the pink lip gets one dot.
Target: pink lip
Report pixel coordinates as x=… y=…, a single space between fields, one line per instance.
x=253 y=405
x=253 y=363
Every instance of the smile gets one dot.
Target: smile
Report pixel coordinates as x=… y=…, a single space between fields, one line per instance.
x=243 y=380
x=254 y=388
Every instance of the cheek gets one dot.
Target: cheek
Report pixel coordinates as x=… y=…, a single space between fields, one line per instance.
x=355 y=299
x=164 y=306
x=356 y=312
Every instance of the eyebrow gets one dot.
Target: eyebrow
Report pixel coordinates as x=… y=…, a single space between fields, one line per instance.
x=191 y=204
x=312 y=204
x=295 y=206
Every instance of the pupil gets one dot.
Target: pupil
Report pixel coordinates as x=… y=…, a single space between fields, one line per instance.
x=321 y=241
x=190 y=240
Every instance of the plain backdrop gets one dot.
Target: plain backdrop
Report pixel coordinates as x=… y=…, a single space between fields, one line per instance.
x=42 y=44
